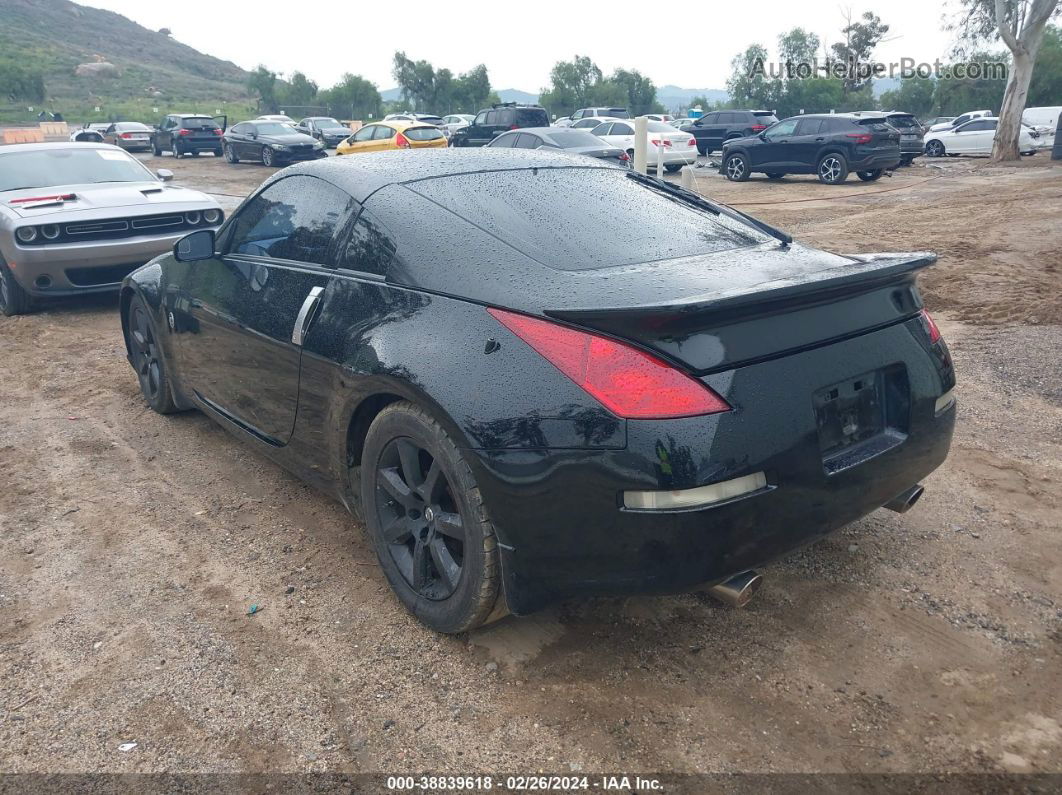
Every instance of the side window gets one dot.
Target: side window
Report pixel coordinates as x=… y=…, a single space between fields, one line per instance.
x=990 y=124
x=809 y=127
x=527 y=141
x=622 y=129
x=294 y=218
x=782 y=130
x=604 y=129
x=503 y=142
x=481 y=118
x=364 y=134
x=492 y=118
x=961 y=120
x=383 y=133
x=577 y=115
x=370 y=249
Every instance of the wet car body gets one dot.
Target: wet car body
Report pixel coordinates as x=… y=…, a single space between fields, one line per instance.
x=836 y=386
x=88 y=237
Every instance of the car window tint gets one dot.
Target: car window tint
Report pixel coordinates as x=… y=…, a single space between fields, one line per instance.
x=622 y=129
x=294 y=218
x=602 y=129
x=809 y=127
x=582 y=218
x=424 y=134
x=503 y=142
x=528 y=141
x=370 y=248
x=492 y=117
x=877 y=125
x=365 y=133
x=383 y=133
x=782 y=129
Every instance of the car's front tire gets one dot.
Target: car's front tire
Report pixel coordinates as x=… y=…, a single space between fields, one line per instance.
x=14 y=300
x=148 y=360
x=427 y=521
x=736 y=168
x=934 y=148
x=267 y=156
x=155 y=149
x=832 y=168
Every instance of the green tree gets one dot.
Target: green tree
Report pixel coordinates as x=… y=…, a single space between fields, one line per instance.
x=860 y=40
x=749 y=84
x=1046 y=85
x=263 y=86
x=473 y=90
x=1021 y=25
x=353 y=97
x=796 y=47
x=571 y=83
x=915 y=95
x=640 y=92
x=297 y=90
x=954 y=95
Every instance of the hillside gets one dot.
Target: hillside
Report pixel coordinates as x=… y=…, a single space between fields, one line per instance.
x=56 y=36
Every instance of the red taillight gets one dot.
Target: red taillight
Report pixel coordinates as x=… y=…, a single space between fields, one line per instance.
x=860 y=138
x=758 y=127
x=663 y=142
x=217 y=131
x=930 y=327
x=626 y=381
x=62 y=197
x=401 y=141
x=624 y=157
x=514 y=127
x=691 y=142
x=184 y=132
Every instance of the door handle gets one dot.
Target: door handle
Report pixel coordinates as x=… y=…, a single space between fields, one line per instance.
x=819 y=139
x=304 y=313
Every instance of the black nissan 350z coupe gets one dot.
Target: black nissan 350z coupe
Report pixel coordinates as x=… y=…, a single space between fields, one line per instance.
x=538 y=376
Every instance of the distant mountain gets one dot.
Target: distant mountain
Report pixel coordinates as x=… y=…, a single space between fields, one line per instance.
x=57 y=36
x=505 y=94
x=675 y=98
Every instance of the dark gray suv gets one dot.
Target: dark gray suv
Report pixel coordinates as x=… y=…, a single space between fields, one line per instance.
x=713 y=128
x=492 y=122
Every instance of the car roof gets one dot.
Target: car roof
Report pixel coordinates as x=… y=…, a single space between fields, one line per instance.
x=57 y=145
x=363 y=176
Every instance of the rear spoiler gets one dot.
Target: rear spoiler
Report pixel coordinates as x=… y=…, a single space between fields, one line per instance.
x=866 y=272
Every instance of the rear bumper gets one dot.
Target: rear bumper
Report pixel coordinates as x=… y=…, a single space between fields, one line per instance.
x=198 y=144
x=872 y=162
x=559 y=514
x=683 y=157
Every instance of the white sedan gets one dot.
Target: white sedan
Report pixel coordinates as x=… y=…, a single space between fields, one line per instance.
x=672 y=147
x=975 y=138
x=454 y=122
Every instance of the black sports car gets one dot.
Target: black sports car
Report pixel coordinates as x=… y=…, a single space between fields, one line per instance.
x=272 y=143
x=536 y=375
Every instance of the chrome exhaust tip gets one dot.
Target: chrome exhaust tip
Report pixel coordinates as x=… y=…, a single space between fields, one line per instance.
x=738 y=590
x=905 y=501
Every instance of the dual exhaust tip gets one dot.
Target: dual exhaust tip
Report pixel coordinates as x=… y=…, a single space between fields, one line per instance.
x=739 y=589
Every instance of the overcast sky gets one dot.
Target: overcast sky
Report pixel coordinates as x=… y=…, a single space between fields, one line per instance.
x=519 y=42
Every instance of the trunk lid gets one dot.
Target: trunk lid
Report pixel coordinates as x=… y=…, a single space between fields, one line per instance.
x=768 y=310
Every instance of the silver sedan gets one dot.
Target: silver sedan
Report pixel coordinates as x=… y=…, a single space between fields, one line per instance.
x=79 y=217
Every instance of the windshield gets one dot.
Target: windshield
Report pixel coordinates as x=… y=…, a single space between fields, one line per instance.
x=329 y=124
x=659 y=126
x=274 y=128
x=131 y=125
x=582 y=218
x=46 y=168
x=571 y=139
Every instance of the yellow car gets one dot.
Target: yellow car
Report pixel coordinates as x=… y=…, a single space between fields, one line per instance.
x=384 y=135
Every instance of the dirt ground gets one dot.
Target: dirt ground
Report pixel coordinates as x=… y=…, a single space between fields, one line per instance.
x=133 y=545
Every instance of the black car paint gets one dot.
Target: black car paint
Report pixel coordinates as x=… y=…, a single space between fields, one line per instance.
x=799 y=151
x=550 y=461
x=492 y=122
x=249 y=143
x=201 y=134
x=718 y=126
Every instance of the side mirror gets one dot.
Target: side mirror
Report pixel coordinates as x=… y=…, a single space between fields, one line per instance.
x=762 y=136
x=253 y=135
x=198 y=245
x=164 y=174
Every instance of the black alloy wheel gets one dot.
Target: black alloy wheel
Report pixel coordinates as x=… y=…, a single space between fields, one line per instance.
x=147 y=358
x=935 y=149
x=230 y=154
x=13 y=299
x=737 y=168
x=427 y=521
x=267 y=156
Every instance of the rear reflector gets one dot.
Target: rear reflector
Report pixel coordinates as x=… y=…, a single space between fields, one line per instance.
x=945 y=402
x=625 y=380
x=692 y=498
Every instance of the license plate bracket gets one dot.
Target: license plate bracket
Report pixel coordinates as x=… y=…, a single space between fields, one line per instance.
x=862 y=417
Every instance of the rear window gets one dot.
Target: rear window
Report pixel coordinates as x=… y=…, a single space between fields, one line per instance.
x=877 y=125
x=765 y=118
x=423 y=133
x=659 y=126
x=429 y=120
x=903 y=122
x=532 y=117
x=569 y=139
x=199 y=123
x=582 y=218
x=617 y=113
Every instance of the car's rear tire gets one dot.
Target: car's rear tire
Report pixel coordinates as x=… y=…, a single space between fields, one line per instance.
x=736 y=168
x=702 y=150
x=13 y=299
x=671 y=168
x=775 y=175
x=230 y=154
x=870 y=176
x=217 y=153
x=155 y=150
x=195 y=153
x=832 y=168
x=175 y=150
x=267 y=156
x=147 y=357
x=934 y=148
x=426 y=517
